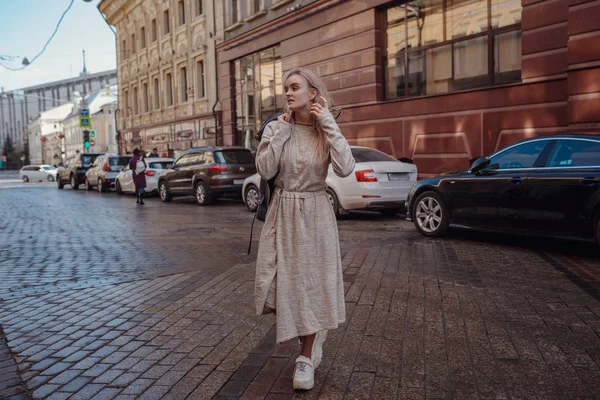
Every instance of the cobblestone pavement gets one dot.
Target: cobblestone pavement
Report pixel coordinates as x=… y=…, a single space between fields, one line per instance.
x=101 y=299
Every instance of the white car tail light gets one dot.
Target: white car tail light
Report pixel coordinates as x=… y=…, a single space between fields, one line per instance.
x=366 y=175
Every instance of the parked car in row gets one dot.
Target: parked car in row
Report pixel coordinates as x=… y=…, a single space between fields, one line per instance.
x=543 y=186
x=38 y=173
x=379 y=183
x=103 y=172
x=207 y=173
x=156 y=166
x=74 y=169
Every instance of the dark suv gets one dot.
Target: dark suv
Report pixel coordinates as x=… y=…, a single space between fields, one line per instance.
x=73 y=171
x=207 y=173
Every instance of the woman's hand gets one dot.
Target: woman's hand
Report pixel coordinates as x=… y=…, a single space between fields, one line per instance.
x=287 y=118
x=319 y=111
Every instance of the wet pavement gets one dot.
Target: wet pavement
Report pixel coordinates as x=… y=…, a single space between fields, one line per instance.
x=104 y=299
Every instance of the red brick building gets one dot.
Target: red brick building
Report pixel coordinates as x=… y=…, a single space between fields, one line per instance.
x=439 y=81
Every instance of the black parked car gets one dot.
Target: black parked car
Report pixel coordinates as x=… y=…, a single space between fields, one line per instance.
x=207 y=173
x=543 y=185
x=74 y=169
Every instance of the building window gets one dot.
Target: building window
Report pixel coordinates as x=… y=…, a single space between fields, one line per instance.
x=167 y=22
x=183 y=97
x=124 y=48
x=439 y=46
x=234 y=13
x=169 y=88
x=156 y=94
x=126 y=96
x=258 y=92
x=133 y=50
x=199 y=10
x=143 y=38
x=181 y=12
x=136 y=108
x=200 y=79
x=146 y=100
x=254 y=6
x=154 y=32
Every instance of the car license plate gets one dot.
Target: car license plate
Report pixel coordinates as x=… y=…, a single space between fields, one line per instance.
x=399 y=176
x=238 y=181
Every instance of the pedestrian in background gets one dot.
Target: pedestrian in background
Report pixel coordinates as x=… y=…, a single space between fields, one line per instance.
x=137 y=164
x=299 y=266
x=154 y=153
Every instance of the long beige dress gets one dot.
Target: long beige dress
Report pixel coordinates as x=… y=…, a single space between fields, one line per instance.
x=299 y=267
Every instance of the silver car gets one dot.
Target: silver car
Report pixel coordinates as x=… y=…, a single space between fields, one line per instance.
x=156 y=166
x=32 y=173
x=379 y=183
x=103 y=173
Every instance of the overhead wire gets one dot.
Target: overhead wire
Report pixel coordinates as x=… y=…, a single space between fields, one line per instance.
x=47 y=43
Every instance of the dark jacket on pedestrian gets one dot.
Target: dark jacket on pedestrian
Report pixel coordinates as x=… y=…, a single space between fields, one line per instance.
x=138 y=180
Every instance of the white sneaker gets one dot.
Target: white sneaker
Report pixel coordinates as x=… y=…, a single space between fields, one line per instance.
x=304 y=374
x=317 y=349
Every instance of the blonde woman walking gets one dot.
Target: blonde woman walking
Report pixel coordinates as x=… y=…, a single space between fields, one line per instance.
x=299 y=268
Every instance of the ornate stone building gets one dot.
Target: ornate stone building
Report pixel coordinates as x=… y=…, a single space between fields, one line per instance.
x=166 y=74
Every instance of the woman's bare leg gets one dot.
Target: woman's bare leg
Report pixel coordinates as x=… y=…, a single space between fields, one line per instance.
x=307 y=345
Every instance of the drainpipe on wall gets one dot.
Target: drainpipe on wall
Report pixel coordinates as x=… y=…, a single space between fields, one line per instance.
x=216 y=76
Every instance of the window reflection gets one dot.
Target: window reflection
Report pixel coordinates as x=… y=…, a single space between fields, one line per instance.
x=437 y=46
x=259 y=92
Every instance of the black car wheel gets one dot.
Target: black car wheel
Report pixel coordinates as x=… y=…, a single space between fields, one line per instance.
x=50 y=178
x=430 y=215
x=60 y=184
x=390 y=212
x=164 y=194
x=25 y=178
x=252 y=197
x=88 y=187
x=74 y=183
x=335 y=204
x=201 y=194
x=118 y=188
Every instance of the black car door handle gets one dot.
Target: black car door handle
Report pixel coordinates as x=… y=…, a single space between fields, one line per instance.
x=589 y=181
x=516 y=180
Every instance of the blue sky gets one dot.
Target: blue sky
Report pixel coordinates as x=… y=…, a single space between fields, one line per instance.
x=28 y=24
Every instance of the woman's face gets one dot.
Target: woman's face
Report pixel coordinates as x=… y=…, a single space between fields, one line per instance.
x=298 y=93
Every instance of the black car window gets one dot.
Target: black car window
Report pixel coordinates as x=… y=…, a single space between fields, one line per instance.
x=367 y=155
x=575 y=153
x=234 y=157
x=196 y=159
x=87 y=160
x=118 y=161
x=521 y=156
x=209 y=158
x=160 y=165
x=183 y=160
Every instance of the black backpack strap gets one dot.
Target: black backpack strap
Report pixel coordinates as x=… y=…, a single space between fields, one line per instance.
x=272 y=118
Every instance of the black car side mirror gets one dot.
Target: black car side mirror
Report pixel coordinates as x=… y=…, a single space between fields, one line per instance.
x=479 y=164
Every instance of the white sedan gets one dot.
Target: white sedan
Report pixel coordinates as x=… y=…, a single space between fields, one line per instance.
x=156 y=166
x=379 y=183
x=33 y=173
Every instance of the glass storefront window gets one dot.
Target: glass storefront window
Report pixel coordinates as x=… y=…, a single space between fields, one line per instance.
x=437 y=46
x=258 y=92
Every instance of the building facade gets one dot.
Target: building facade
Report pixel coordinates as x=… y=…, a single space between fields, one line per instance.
x=19 y=107
x=438 y=81
x=166 y=72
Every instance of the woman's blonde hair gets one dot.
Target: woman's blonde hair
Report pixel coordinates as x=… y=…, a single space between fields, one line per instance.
x=314 y=82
